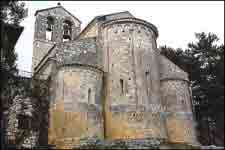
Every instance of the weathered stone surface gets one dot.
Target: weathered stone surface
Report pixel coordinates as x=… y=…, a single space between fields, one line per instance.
x=26 y=138
x=83 y=52
x=92 y=30
x=27 y=117
x=111 y=83
x=170 y=71
x=41 y=44
x=132 y=61
x=179 y=118
x=119 y=144
x=76 y=110
x=40 y=49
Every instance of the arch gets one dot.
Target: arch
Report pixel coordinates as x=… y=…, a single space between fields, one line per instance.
x=147 y=82
x=50 y=23
x=49 y=28
x=67 y=30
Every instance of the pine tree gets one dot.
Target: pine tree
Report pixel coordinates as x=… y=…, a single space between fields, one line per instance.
x=204 y=62
x=12 y=13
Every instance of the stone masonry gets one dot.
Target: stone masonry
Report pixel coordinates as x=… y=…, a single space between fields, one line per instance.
x=109 y=82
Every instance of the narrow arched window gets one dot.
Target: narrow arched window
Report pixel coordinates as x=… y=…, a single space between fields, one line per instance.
x=89 y=96
x=147 y=80
x=67 y=30
x=50 y=23
x=49 y=29
x=121 y=86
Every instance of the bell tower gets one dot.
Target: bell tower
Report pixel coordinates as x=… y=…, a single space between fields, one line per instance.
x=52 y=25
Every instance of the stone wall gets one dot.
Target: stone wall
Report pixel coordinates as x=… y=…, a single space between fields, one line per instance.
x=177 y=102
x=83 y=52
x=92 y=30
x=40 y=49
x=41 y=44
x=15 y=135
x=76 y=110
x=133 y=85
x=45 y=70
x=59 y=16
x=27 y=116
x=168 y=70
x=179 y=118
x=112 y=84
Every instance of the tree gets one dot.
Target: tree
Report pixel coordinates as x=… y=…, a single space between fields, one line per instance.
x=12 y=13
x=177 y=56
x=204 y=62
x=207 y=76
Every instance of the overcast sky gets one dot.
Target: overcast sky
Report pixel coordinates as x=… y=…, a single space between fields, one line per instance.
x=176 y=21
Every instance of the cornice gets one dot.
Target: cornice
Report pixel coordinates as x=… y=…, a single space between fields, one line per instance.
x=131 y=20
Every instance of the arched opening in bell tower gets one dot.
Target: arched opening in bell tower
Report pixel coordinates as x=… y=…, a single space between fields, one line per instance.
x=49 y=29
x=67 y=30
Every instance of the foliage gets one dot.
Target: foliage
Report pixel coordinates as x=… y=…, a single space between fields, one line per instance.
x=204 y=61
x=207 y=76
x=178 y=56
x=12 y=12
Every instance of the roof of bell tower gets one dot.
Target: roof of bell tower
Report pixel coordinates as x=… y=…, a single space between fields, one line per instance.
x=58 y=6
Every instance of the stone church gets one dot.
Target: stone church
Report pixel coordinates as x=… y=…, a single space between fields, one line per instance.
x=109 y=81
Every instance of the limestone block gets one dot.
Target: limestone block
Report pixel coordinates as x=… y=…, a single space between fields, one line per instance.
x=133 y=81
x=79 y=113
x=179 y=117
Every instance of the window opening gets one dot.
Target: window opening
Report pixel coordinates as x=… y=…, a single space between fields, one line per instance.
x=122 y=86
x=147 y=81
x=49 y=29
x=89 y=96
x=67 y=30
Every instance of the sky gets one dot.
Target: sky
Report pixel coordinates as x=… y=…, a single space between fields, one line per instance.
x=177 y=21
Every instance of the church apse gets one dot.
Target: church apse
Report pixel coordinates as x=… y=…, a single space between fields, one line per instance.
x=109 y=82
x=133 y=81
